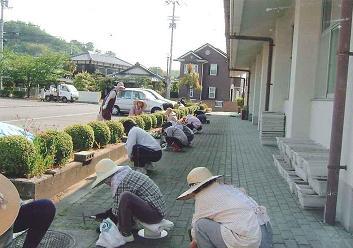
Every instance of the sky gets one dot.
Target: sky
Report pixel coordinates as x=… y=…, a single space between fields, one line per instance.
x=135 y=30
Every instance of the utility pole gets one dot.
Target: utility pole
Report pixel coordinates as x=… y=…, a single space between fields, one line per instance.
x=4 y=3
x=172 y=25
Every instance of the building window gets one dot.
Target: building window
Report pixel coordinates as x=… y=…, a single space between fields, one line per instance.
x=332 y=65
x=212 y=92
x=195 y=68
x=213 y=69
x=331 y=12
x=191 y=92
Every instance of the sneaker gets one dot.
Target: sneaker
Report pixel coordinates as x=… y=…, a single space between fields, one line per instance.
x=141 y=170
x=129 y=238
x=150 y=166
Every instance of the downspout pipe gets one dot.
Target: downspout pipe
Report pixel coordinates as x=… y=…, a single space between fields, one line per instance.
x=334 y=163
x=269 y=66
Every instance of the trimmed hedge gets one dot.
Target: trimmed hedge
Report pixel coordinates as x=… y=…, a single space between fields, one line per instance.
x=82 y=136
x=139 y=121
x=19 y=94
x=17 y=156
x=102 y=134
x=57 y=143
x=148 y=121
x=159 y=117
x=203 y=106
x=154 y=120
x=116 y=131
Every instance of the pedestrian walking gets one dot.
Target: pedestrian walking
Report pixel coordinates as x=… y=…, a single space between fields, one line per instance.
x=105 y=112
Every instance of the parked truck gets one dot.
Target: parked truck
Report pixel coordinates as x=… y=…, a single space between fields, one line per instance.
x=61 y=92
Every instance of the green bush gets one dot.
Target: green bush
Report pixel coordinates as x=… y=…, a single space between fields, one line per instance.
x=203 y=106
x=57 y=143
x=19 y=94
x=139 y=121
x=177 y=111
x=82 y=136
x=5 y=92
x=154 y=120
x=16 y=156
x=116 y=131
x=148 y=122
x=101 y=133
x=159 y=117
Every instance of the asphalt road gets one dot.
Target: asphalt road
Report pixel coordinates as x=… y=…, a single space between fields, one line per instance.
x=39 y=116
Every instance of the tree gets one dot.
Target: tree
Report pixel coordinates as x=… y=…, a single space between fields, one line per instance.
x=31 y=71
x=158 y=71
x=84 y=81
x=190 y=79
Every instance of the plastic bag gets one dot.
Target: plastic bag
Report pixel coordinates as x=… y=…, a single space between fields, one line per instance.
x=110 y=237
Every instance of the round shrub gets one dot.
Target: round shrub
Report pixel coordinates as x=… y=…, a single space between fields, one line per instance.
x=82 y=136
x=116 y=131
x=159 y=118
x=154 y=121
x=56 y=143
x=148 y=122
x=177 y=111
x=203 y=106
x=16 y=156
x=139 y=121
x=101 y=133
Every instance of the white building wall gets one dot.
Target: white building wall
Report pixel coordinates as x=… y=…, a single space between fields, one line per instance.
x=281 y=62
x=307 y=31
x=264 y=69
x=321 y=121
x=345 y=187
x=257 y=88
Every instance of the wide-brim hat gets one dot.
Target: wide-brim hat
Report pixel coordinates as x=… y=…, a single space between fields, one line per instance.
x=8 y=211
x=120 y=86
x=196 y=178
x=138 y=101
x=104 y=169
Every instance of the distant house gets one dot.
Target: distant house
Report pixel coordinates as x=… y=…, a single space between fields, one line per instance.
x=99 y=63
x=218 y=90
x=131 y=75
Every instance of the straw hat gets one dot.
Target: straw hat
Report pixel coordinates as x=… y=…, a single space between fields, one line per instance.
x=120 y=86
x=9 y=210
x=138 y=101
x=104 y=169
x=196 y=178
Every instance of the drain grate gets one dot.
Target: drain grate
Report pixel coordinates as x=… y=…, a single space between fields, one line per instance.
x=52 y=239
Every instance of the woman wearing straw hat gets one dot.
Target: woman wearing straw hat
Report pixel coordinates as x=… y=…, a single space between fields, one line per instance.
x=137 y=108
x=141 y=147
x=105 y=112
x=135 y=195
x=35 y=216
x=225 y=217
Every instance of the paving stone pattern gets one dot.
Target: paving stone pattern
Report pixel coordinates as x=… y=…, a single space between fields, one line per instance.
x=230 y=147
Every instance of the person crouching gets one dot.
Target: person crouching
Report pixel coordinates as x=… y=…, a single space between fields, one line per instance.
x=141 y=147
x=135 y=196
x=193 y=123
x=175 y=137
x=225 y=217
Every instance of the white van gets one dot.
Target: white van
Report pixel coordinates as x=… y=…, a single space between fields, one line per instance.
x=126 y=98
x=64 y=93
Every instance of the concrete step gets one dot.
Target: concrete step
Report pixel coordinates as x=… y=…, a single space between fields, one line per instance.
x=319 y=185
x=310 y=200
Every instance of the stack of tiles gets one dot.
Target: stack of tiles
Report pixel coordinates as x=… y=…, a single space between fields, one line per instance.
x=303 y=164
x=272 y=125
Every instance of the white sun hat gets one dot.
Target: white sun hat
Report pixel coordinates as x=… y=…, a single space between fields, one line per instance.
x=9 y=204
x=104 y=169
x=120 y=86
x=196 y=178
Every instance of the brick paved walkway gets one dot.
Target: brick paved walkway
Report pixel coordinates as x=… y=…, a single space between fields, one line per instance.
x=230 y=147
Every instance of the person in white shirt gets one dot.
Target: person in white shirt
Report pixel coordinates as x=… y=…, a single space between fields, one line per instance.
x=193 y=123
x=225 y=217
x=141 y=147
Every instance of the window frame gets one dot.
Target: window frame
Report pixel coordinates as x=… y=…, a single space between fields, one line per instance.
x=191 y=90
x=214 y=92
x=211 y=74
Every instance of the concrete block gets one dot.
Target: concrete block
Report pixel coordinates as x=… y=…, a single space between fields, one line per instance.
x=315 y=168
x=311 y=200
x=319 y=185
x=304 y=188
x=301 y=173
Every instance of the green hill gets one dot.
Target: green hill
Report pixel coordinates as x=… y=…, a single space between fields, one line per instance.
x=31 y=39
